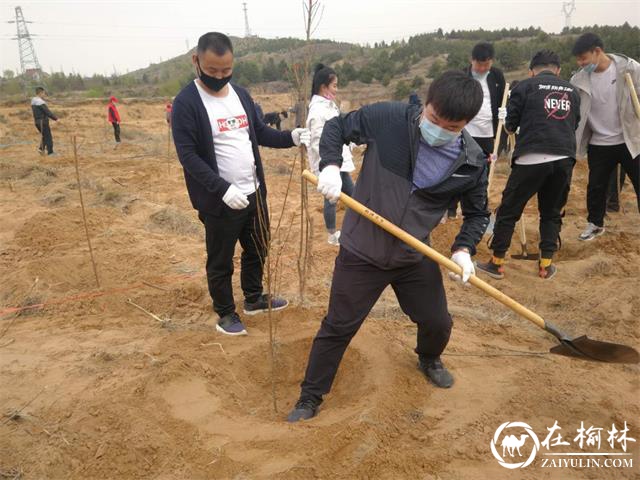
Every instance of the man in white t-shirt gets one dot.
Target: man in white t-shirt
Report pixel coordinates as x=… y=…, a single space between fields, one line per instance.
x=483 y=127
x=217 y=132
x=609 y=130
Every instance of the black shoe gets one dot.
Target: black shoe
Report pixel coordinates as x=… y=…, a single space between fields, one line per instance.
x=262 y=305
x=491 y=269
x=306 y=408
x=436 y=372
x=547 y=272
x=231 y=325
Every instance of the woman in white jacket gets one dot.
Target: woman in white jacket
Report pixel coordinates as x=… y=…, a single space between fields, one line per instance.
x=322 y=108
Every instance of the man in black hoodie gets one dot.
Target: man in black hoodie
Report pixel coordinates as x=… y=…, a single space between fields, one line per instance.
x=547 y=110
x=418 y=158
x=41 y=116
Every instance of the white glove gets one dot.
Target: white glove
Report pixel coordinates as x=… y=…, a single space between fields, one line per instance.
x=502 y=113
x=235 y=199
x=330 y=183
x=463 y=259
x=301 y=136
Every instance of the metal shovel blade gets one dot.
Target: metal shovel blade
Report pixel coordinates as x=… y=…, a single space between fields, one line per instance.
x=586 y=348
x=526 y=256
x=492 y=223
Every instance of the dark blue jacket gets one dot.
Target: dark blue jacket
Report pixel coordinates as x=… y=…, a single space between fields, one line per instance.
x=193 y=137
x=392 y=132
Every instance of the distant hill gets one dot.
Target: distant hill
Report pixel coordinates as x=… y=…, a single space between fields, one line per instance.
x=398 y=66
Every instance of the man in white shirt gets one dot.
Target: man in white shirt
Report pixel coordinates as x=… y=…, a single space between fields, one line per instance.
x=483 y=127
x=609 y=129
x=216 y=132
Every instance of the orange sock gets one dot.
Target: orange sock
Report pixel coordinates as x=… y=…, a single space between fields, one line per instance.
x=545 y=262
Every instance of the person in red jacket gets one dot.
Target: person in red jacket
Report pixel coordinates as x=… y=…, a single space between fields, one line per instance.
x=114 y=117
x=167 y=110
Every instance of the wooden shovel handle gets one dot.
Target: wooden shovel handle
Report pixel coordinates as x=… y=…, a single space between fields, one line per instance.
x=433 y=254
x=634 y=94
x=523 y=231
x=496 y=143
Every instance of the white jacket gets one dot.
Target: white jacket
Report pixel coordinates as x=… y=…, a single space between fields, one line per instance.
x=320 y=110
x=630 y=122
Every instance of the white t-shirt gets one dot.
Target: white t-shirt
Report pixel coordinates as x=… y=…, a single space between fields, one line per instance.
x=481 y=126
x=604 y=118
x=231 y=142
x=537 y=158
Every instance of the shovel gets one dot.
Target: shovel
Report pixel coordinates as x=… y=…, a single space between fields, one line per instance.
x=580 y=347
x=524 y=255
x=494 y=160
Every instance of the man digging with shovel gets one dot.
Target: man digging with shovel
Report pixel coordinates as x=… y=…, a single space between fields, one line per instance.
x=547 y=110
x=417 y=159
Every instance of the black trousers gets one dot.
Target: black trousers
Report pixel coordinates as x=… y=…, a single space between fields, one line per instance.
x=47 y=140
x=486 y=144
x=602 y=161
x=356 y=287
x=222 y=232
x=116 y=131
x=551 y=181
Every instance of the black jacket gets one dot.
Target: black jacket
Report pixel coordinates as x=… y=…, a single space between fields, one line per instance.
x=41 y=113
x=496 y=83
x=391 y=132
x=547 y=110
x=192 y=136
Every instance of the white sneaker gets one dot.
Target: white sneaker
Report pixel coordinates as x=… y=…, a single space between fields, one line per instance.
x=334 y=238
x=590 y=232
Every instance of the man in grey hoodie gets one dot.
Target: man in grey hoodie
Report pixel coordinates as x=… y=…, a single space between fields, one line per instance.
x=609 y=130
x=41 y=116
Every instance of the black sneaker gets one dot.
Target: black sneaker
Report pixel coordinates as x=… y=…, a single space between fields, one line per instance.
x=262 y=305
x=491 y=269
x=231 y=325
x=547 y=272
x=436 y=372
x=306 y=408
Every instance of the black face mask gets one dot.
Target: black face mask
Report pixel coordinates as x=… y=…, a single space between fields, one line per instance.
x=215 y=84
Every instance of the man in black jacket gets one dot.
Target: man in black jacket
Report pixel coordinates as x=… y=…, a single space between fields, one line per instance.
x=547 y=110
x=41 y=116
x=484 y=125
x=216 y=133
x=417 y=158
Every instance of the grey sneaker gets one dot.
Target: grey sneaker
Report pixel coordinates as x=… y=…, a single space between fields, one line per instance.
x=262 y=305
x=590 y=232
x=436 y=372
x=305 y=409
x=231 y=325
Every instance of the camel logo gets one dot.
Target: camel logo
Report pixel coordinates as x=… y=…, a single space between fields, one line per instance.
x=513 y=445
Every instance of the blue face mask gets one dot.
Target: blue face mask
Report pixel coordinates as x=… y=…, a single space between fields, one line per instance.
x=479 y=76
x=434 y=135
x=590 y=68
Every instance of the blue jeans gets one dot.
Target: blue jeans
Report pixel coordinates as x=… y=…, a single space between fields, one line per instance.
x=329 y=210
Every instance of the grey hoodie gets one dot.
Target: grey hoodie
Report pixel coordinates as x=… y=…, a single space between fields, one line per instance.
x=630 y=122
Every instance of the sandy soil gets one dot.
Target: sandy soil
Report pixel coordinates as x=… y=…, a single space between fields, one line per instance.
x=93 y=387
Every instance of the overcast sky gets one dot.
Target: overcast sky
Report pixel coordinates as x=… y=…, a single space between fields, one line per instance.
x=89 y=36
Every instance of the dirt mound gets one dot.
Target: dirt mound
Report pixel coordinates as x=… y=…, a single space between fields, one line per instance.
x=131 y=379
